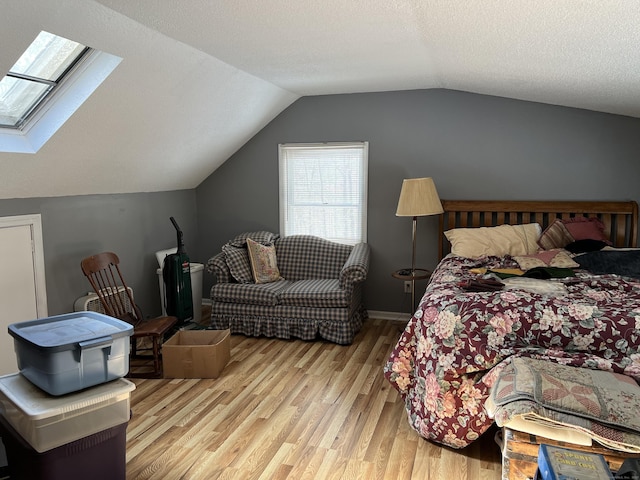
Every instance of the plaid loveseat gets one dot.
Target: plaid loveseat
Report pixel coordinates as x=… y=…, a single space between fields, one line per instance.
x=320 y=293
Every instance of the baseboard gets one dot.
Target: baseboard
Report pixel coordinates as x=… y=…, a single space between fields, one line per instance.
x=380 y=315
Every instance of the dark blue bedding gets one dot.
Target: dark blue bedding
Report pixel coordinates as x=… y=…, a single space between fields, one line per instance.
x=602 y=262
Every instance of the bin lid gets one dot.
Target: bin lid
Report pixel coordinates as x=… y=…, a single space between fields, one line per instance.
x=38 y=404
x=62 y=332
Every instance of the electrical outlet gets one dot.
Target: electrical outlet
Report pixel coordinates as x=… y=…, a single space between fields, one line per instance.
x=407 y=286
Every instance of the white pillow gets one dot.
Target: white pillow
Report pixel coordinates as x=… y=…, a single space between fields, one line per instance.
x=498 y=241
x=556 y=257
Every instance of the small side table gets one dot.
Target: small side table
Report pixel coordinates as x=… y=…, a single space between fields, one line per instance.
x=418 y=274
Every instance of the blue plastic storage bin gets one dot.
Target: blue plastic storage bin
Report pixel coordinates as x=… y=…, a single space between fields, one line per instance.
x=70 y=352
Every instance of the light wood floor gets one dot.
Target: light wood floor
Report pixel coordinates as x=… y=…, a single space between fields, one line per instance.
x=295 y=410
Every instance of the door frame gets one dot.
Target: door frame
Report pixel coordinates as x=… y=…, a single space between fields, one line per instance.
x=34 y=222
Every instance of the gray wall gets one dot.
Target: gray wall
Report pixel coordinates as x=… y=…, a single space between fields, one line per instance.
x=134 y=226
x=474 y=146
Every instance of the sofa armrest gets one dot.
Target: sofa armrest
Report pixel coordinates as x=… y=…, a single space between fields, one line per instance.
x=218 y=266
x=356 y=267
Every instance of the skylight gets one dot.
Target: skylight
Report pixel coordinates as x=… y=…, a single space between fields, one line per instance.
x=35 y=75
x=47 y=84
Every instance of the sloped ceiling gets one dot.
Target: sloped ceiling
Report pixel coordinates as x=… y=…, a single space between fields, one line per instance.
x=200 y=77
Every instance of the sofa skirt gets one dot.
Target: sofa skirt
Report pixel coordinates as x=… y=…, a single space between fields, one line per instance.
x=335 y=325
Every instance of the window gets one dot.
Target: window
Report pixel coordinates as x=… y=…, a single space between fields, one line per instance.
x=323 y=190
x=35 y=75
x=47 y=84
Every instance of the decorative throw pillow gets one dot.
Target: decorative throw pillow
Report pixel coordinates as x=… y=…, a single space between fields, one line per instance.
x=498 y=241
x=263 y=262
x=238 y=262
x=262 y=237
x=586 y=228
x=558 y=258
x=555 y=235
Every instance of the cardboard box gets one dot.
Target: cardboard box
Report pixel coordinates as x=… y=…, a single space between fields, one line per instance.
x=196 y=354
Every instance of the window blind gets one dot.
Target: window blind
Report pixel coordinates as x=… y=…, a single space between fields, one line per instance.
x=323 y=190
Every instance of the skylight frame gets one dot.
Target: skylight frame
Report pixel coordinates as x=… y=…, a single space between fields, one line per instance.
x=52 y=84
x=80 y=83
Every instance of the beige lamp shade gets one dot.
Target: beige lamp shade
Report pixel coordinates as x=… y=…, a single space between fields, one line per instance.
x=418 y=198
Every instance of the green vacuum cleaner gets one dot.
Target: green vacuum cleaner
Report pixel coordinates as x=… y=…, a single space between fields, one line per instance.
x=176 y=274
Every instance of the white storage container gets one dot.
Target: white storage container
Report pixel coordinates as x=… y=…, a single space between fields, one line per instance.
x=47 y=422
x=70 y=352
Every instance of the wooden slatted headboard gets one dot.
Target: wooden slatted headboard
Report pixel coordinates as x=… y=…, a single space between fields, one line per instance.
x=620 y=218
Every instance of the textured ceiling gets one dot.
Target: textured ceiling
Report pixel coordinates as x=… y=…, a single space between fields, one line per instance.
x=580 y=53
x=201 y=77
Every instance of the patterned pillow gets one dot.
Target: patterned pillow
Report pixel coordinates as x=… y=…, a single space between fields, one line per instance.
x=262 y=237
x=263 y=262
x=549 y=258
x=586 y=228
x=555 y=235
x=238 y=262
x=562 y=232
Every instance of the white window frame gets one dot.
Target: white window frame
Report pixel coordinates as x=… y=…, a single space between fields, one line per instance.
x=285 y=151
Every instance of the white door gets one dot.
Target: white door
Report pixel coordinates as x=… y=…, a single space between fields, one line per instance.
x=22 y=281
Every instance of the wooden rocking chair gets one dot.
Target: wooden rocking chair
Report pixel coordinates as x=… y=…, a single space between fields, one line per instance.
x=103 y=272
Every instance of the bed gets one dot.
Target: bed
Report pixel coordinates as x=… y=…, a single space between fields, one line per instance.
x=463 y=335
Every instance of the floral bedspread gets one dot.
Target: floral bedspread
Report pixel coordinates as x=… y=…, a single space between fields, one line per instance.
x=457 y=342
